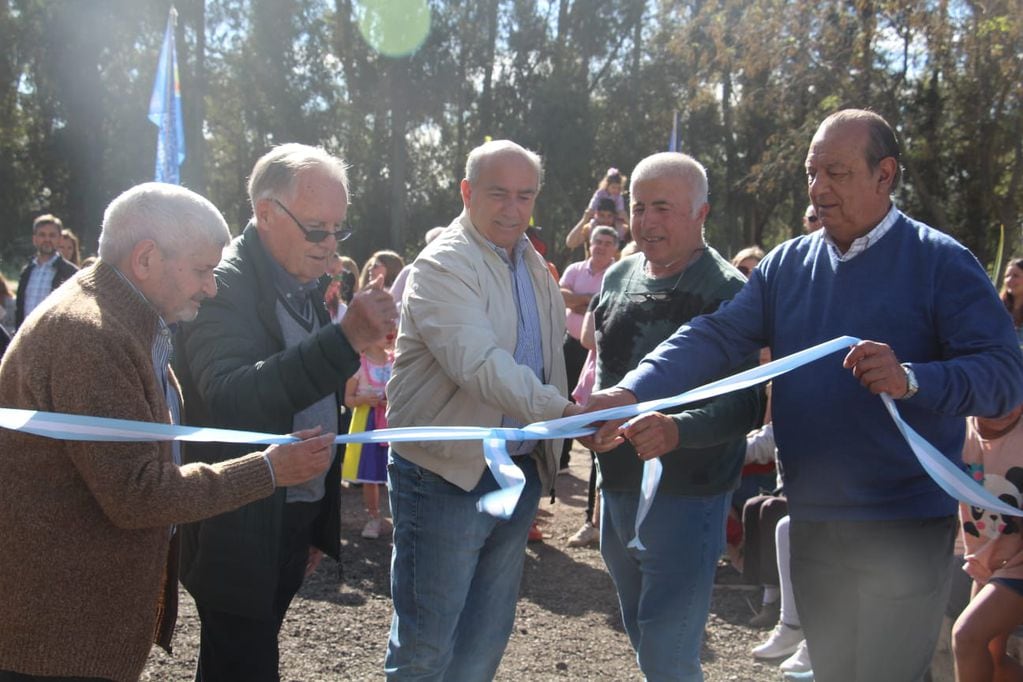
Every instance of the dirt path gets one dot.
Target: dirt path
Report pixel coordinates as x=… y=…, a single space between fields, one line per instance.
x=567 y=626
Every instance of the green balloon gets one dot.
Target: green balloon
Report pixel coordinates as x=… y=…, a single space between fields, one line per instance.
x=394 y=28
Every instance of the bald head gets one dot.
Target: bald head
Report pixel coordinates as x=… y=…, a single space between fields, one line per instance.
x=880 y=141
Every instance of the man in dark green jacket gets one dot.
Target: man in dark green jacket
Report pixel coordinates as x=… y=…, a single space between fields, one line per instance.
x=664 y=590
x=265 y=356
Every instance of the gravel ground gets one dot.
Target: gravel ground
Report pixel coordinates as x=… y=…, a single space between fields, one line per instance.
x=567 y=626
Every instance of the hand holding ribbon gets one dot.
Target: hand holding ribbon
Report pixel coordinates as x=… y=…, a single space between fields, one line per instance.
x=500 y=503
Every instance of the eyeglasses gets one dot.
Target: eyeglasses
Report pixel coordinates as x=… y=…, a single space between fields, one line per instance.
x=744 y=270
x=316 y=236
x=811 y=218
x=666 y=295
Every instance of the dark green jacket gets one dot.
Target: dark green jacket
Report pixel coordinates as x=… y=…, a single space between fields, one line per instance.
x=632 y=315
x=236 y=373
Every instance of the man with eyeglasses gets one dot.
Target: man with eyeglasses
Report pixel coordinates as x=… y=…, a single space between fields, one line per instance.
x=89 y=563
x=871 y=534
x=264 y=356
x=811 y=223
x=664 y=591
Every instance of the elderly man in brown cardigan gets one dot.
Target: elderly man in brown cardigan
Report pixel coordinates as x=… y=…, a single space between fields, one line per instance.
x=88 y=566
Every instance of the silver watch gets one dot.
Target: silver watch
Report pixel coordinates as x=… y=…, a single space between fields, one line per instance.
x=913 y=386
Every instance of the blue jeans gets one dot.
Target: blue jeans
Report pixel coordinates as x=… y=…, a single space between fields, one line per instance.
x=664 y=591
x=455 y=574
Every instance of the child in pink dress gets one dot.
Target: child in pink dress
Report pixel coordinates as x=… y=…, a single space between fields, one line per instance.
x=993 y=453
x=367 y=388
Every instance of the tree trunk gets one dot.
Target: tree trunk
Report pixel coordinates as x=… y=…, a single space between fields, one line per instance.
x=399 y=152
x=193 y=87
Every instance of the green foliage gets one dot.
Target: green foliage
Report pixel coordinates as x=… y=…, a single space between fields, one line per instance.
x=587 y=84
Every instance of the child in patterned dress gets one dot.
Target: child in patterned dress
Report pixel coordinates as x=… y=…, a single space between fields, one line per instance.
x=993 y=453
x=365 y=389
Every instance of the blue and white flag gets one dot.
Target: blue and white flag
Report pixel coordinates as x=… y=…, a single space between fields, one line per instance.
x=165 y=109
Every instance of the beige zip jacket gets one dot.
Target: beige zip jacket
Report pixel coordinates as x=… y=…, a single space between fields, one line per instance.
x=454 y=363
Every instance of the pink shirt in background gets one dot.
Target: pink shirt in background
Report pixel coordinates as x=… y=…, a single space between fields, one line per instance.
x=580 y=279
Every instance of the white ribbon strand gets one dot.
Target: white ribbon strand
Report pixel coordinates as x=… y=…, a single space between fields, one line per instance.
x=509 y=477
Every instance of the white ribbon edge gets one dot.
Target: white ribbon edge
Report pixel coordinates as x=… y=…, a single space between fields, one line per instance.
x=509 y=477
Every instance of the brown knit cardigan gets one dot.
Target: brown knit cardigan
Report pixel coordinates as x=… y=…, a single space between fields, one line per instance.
x=87 y=577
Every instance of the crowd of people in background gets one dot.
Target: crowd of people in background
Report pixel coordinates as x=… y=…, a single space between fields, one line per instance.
x=803 y=485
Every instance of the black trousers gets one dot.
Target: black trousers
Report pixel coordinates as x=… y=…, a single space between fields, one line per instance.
x=234 y=647
x=591 y=489
x=871 y=595
x=760 y=516
x=575 y=359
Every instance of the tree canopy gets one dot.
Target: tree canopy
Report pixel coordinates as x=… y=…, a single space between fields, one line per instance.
x=588 y=84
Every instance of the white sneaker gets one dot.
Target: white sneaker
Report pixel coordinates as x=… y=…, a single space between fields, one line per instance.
x=372 y=528
x=586 y=536
x=798 y=662
x=783 y=641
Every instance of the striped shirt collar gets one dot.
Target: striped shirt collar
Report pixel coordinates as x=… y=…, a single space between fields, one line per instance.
x=863 y=243
x=516 y=254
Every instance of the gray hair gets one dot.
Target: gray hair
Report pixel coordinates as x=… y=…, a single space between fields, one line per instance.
x=605 y=230
x=477 y=157
x=881 y=139
x=177 y=219
x=275 y=172
x=674 y=165
x=433 y=233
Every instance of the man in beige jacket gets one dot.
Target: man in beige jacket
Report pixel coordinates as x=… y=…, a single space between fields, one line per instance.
x=479 y=344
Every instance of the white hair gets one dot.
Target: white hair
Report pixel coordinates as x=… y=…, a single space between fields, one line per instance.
x=274 y=174
x=479 y=155
x=675 y=165
x=177 y=219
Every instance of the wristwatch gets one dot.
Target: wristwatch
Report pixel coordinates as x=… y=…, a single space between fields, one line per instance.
x=913 y=387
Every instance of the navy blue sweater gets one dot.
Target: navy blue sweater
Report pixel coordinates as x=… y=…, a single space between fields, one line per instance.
x=915 y=289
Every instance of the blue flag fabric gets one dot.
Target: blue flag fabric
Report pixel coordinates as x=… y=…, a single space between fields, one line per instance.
x=165 y=110
x=673 y=142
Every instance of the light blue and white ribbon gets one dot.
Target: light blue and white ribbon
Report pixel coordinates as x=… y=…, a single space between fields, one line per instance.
x=509 y=477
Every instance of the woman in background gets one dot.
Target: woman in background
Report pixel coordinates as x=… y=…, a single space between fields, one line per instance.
x=1012 y=294
x=385 y=263
x=6 y=305
x=69 y=247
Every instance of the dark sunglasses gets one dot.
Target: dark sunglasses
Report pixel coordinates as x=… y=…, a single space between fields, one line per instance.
x=811 y=218
x=316 y=236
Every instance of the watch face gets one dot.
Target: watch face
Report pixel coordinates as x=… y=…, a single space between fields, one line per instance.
x=911 y=386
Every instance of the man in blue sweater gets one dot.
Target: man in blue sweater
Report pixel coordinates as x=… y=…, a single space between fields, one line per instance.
x=871 y=533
